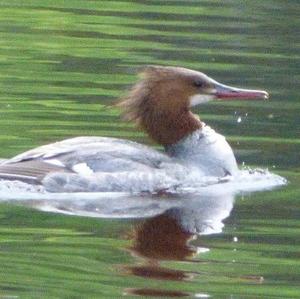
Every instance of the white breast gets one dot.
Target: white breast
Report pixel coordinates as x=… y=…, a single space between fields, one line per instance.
x=206 y=150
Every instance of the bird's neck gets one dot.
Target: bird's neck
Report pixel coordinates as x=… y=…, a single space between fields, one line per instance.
x=167 y=128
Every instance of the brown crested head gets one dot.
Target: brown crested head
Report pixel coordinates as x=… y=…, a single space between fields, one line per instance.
x=160 y=102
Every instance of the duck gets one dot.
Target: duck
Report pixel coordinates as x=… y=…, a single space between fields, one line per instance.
x=160 y=104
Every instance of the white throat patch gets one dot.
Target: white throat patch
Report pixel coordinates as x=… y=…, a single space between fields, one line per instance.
x=200 y=99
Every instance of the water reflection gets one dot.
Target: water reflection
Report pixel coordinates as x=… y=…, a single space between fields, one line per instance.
x=155 y=293
x=200 y=213
x=162 y=238
x=167 y=228
x=154 y=240
x=174 y=235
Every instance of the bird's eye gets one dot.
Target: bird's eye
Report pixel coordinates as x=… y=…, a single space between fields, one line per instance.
x=198 y=83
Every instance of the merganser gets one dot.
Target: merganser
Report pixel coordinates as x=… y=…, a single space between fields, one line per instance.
x=159 y=104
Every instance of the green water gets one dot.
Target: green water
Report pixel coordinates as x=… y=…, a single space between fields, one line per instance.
x=63 y=63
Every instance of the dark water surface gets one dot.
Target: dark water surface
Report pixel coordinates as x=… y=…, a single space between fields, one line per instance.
x=63 y=62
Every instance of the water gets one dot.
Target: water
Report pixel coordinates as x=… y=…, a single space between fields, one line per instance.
x=63 y=63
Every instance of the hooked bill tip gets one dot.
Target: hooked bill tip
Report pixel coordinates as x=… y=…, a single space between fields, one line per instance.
x=266 y=96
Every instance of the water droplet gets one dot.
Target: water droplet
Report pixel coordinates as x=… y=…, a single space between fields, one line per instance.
x=202 y=250
x=202 y=295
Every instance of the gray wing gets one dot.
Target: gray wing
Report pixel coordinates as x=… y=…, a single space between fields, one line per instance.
x=28 y=171
x=97 y=154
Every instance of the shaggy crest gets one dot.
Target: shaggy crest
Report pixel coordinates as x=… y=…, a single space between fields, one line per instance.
x=159 y=104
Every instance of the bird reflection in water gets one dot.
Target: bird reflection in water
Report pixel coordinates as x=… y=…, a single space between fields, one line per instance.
x=161 y=238
x=165 y=234
x=167 y=237
x=154 y=240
